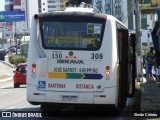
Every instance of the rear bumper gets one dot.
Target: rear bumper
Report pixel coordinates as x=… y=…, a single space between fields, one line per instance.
x=80 y=107
x=107 y=97
x=20 y=82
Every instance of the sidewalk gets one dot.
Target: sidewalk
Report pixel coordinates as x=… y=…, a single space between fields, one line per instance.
x=150 y=97
x=12 y=66
x=6 y=77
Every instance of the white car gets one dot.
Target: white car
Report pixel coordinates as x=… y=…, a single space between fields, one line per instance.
x=12 y=49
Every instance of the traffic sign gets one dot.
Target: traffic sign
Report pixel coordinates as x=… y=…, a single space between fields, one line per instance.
x=12 y=16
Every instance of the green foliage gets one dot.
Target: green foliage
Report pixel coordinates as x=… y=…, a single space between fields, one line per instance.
x=77 y=2
x=137 y=86
x=18 y=41
x=16 y=59
x=1 y=53
x=11 y=59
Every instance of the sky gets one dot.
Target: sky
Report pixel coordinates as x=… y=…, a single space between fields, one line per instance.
x=2 y=3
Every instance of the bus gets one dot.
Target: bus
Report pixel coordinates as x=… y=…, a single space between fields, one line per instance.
x=78 y=58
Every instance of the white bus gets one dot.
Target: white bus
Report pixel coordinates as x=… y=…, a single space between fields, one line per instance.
x=78 y=58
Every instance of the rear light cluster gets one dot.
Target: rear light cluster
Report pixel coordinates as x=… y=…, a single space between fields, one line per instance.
x=34 y=70
x=107 y=72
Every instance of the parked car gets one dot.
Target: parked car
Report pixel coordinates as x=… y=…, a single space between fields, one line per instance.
x=12 y=49
x=20 y=75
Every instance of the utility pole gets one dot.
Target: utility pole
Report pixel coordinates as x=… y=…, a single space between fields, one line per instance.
x=138 y=42
x=148 y=34
x=113 y=7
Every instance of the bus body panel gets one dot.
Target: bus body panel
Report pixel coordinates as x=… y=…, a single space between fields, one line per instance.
x=107 y=96
x=81 y=98
x=49 y=65
x=34 y=95
x=73 y=80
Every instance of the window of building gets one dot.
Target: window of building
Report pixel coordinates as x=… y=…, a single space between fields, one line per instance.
x=43 y=9
x=9 y=1
x=39 y=6
x=151 y=17
x=17 y=2
x=43 y=3
x=144 y=21
x=52 y=1
x=51 y=6
x=17 y=9
x=9 y=7
x=40 y=11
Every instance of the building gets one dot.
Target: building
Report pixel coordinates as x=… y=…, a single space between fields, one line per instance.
x=42 y=6
x=56 y=5
x=17 y=5
x=21 y=27
x=30 y=8
x=147 y=22
x=8 y=5
x=117 y=8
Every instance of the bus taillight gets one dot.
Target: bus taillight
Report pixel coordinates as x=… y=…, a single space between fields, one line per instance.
x=34 y=68
x=107 y=68
x=107 y=72
x=33 y=65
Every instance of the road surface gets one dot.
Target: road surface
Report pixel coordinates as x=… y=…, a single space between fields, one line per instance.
x=14 y=99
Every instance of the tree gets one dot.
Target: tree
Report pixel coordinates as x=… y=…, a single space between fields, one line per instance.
x=77 y=2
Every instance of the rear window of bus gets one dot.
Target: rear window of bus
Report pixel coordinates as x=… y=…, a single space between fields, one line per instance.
x=71 y=35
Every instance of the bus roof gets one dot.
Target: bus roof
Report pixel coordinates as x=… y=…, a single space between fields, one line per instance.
x=76 y=15
x=79 y=13
x=79 y=9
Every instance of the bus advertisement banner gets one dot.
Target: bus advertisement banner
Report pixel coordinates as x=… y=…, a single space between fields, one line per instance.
x=12 y=16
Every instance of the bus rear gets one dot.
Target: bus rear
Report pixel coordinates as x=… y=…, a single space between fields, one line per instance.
x=72 y=60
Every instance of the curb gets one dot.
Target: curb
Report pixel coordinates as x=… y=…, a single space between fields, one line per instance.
x=7 y=79
x=7 y=64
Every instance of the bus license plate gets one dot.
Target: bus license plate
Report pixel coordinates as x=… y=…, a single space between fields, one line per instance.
x=70 y=98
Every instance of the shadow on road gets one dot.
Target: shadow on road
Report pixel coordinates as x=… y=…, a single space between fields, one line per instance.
x=11 y=87
x=67 y=112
